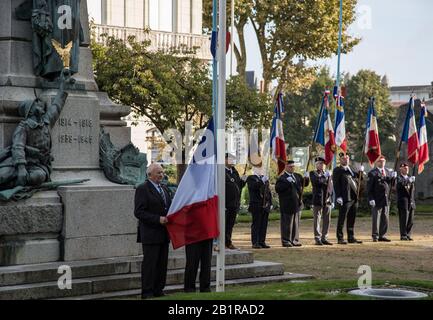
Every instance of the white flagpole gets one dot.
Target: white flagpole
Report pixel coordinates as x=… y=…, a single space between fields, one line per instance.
x=221 y=117
x=232 y=32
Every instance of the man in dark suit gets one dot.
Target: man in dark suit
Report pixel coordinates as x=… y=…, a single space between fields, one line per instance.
x=345 y=180
x=379 y=182
x=152 y=201
x=234 y=185
x=322 y=201
x=289 y=188
x=405 y=201
x=259 y=207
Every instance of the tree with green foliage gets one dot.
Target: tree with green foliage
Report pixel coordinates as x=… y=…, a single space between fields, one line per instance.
x=302 y=110
x=289 y=32
x=170 y=89
x=360 y=88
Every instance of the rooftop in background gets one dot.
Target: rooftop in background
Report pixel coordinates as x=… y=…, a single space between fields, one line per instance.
x=401 y=94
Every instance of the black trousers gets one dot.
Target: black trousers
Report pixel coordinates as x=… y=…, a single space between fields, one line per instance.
x=198 y=253
x=289 y=226
x=231 y=214
x=348 y=209
x=154 y=268
x=406 y=220
x=259 y=225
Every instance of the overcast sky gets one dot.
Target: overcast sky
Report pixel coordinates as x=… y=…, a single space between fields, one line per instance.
x=396 y=41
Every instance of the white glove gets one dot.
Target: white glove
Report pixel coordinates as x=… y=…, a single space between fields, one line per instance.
x=340 y=201
x=244 y=178
x=332 y=205
x=361 y=168
x=327 y=174
x=291 y=180
x=264 y=179
x=372 y=203
x=306 y=174
x=394 y=175
x=412 y=179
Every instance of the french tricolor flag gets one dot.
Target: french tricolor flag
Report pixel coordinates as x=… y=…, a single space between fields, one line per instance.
x=193 y=214
x=423 y=141
x=325 y=133
x=277 y=136
x=372 y=143
x=410 y=135
x=340 y=126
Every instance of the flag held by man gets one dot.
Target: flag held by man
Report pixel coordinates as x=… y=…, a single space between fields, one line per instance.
x=410 y=135
x=278 y=145
x=325 y=133
x=193 y=214
x=372 y=142
x=423 y=141
x=340 y=126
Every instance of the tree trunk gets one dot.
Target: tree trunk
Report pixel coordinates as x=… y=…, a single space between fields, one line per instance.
x=241 y=56
x=181 y=167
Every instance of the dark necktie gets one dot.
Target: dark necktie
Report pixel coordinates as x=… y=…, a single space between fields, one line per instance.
x=161 y=192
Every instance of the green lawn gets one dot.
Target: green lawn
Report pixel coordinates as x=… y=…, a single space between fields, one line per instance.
x=310 y=290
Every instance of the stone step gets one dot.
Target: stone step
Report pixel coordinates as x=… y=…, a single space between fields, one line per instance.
x=102 y=284
x=46 y=272
x=135 y=293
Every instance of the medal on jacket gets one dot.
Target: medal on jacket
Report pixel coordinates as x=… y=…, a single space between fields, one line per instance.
x=232 y=180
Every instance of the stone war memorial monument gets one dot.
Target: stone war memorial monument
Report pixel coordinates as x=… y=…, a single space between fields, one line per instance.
x=51 y=115
x=68 y=168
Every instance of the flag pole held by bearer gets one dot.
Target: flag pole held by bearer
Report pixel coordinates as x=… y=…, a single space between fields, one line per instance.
x=315 y=135
x=409 y=130
x=371 y=117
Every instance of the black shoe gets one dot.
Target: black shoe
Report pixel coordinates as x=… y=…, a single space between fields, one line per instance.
x=319 y=243
x=265 y=246
x=205 y=290
x=354 y=240
x=256 y=246
x=297 y=244
x=404 y=238
x=375 y=240
x=383 y=239
x=287 y=245
x=327 y=243
x=189 y=290
x=146 y=296
x=409 y=238
x=342 y=242
x=231 y=247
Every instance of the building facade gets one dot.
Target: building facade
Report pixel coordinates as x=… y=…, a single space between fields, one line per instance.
x=401 y=94
x=168 y=24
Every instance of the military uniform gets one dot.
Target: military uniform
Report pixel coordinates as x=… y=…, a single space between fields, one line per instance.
x=234 y=185
x=289 y=187
x=378 y=186
x=406 y=205
x=322 y=200
x=345 y=181
x=259 y=207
